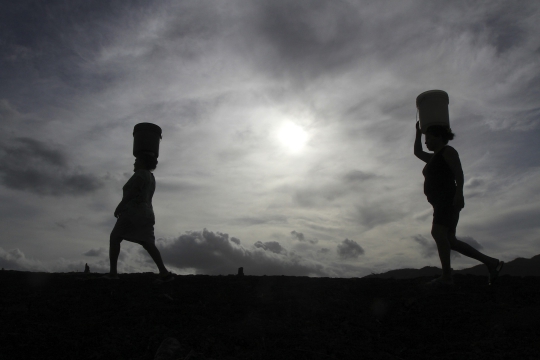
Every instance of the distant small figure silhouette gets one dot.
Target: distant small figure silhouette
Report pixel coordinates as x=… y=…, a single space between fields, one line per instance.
x=86 y=269
x=240 y=271
x=443 y=187
x=136 y=217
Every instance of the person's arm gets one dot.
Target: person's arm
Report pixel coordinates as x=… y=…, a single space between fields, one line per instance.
x=451 y=157
x=136 y=184
x=418 y=152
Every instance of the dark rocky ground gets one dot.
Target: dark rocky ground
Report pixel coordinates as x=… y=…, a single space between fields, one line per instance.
x=76 y=316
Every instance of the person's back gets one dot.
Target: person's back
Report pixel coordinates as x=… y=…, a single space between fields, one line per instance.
x=141 y=186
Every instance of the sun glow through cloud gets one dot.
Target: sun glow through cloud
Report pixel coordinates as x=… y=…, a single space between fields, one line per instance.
x=294 y=137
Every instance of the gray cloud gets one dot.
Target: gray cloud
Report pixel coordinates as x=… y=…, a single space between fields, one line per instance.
x=314 y=197
x=323 y=194
x=95 y=252
x=429 y=248
x=213 y=253
x=358 y=176
x=511 y=223
x=299 y=236
x=270 y=219
x=12 y=259
x=7 y=112
x=377 y=214
x=309 y=36
x=272 y=246
x=316 y=193
x=474 y=183
x=33 y=166
x=349 y=249
x=15 y=259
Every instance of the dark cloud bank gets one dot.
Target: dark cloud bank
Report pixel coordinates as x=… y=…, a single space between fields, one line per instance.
x=216 y=254
x=31 y=165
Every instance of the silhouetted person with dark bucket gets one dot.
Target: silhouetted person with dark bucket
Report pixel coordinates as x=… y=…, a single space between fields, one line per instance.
x=443 y=187
x=136 y=217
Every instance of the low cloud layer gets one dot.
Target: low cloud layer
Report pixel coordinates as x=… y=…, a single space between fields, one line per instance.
x=96 y=252
x=215 y=253
x=272 y=246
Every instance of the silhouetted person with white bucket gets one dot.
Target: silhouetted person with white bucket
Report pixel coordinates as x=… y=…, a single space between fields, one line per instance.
x=443 y=184
x=135 y=212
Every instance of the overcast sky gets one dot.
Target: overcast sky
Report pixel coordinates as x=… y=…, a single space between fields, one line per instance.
x=288 y=131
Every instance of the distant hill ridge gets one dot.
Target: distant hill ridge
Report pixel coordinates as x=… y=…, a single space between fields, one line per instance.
x=516 y=267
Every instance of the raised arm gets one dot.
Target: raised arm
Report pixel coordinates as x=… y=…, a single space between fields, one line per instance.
x=418 y=152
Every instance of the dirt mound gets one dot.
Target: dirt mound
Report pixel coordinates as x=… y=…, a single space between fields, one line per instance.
x=77 y=316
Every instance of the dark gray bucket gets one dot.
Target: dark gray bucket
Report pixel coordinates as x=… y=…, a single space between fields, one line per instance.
x=146 y=139
x=432 y=108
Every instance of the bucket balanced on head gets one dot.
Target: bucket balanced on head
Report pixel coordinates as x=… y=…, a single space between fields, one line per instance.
x=146 y=138
x=432 y=108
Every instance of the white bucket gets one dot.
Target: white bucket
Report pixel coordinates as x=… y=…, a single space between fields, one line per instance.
x=432 y=108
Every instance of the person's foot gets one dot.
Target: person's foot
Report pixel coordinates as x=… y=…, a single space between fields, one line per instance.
x=165 y=277
x=494 y=271
x=440 y=281
x=110 y=277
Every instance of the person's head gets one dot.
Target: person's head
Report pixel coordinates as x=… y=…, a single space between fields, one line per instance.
x=438 y=136
x=145 y=161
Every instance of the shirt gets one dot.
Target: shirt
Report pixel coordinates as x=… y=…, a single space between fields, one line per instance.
x=439 y=182
x=138 y=192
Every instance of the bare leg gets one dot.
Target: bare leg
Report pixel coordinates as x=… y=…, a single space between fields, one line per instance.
x=114 y=252
x=156 y=256
x=440 y=234
x=467 y=250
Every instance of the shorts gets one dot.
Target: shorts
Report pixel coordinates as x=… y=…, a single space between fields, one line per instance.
x=137 y=232
x=447 y=216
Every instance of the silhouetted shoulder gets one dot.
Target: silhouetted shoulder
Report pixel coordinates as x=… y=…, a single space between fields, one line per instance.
x=449 y=148
x=451 y=157
x=450 y=153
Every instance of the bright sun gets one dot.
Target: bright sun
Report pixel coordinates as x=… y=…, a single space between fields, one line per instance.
x=293 y=136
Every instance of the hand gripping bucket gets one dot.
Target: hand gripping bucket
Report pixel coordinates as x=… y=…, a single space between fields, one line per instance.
x=146 y=139
x=432 y=108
